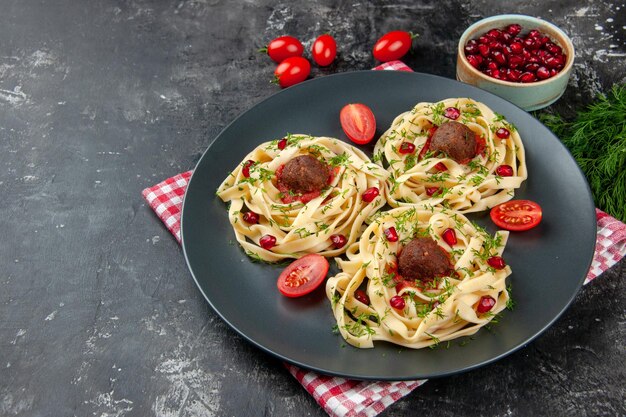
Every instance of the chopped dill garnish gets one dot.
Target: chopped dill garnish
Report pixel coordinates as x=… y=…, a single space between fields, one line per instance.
x=340 y=160
x=596 y=137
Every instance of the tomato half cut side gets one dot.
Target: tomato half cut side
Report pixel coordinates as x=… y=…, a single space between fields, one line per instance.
x=516 y=215
x=303 y=275
x=358 y=123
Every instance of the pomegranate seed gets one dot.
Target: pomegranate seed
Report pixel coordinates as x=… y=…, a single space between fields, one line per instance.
x=532 y=43
x=406 y=147
x=544 y=40
x=532 y=67
x=397 y=302
x=484 y=40
x=475 y=60
x=527 y=77
x=282 y=143
x=507 y=37
x=496 y=262
x=492 y=65
x=506 y=51
x=555 y=49
x=553 y=72
x=513 y=29
x=504 y=171
x=533 y=60
x=513 y=75
x=556 y=61
x=528 y=42
x=361 y=296
x=339 y=241
x=449 y=236
x=515 y=61
x=391 y=234
x=534 y=34
x=499 y=57
x=516 y=47
x=441 y=167
x=452 y=113
x=483 y=49
x=267 y=242
x=543 y=73
x=485 y=304
x=430 y=191
x=471 y=47
x=370 y=194
x=496 y=45
x=495 y=33
x=246 y=168
x=503 y=133
x=251 y=217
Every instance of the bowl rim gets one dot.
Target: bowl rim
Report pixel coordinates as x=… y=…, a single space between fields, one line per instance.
x=569 y=46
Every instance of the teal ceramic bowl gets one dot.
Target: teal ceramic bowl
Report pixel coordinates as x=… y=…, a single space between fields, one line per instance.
x=528 y=96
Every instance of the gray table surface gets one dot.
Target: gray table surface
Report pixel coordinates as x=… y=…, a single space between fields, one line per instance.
x=100 y=99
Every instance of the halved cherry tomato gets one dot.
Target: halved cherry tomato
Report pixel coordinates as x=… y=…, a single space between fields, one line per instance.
x=324 y=50
x=292 y=71
x=303 y=275
x=282 y=48
x=392 y=45
x=358 y=123
x=516 y=215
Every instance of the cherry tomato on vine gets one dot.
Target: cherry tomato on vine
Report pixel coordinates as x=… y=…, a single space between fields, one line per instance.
x=303 y=275
x=516 y=215
x=358 y=123
x=324 y=50
x=292 y=71
x=282 y=48
x=393 y=45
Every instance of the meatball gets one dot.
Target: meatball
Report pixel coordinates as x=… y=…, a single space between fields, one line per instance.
x=423 y=259
x=304 y=174
x=456 y=140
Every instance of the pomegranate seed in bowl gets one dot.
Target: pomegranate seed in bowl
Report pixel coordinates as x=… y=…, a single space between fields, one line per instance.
x=506 y=49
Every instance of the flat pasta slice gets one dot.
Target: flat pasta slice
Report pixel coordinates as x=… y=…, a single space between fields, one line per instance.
x=371 y=301
x=301 y=222
x=464 y=179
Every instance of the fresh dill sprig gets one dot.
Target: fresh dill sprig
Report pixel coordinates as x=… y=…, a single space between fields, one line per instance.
x=597 y=140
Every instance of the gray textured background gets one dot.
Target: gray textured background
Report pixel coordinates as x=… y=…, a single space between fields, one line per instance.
x=100 y=99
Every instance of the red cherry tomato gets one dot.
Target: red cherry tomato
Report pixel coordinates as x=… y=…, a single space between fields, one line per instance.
x=358 y=123
x=324 y=50
x=292 y=71
x=516 y=215
x=283 y=47
x=303 y=275
x=392 y=45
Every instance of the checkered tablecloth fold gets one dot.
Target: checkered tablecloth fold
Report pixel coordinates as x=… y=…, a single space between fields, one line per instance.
x=341 y=397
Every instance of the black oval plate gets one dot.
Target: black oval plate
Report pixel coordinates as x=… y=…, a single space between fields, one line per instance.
x=549 y=262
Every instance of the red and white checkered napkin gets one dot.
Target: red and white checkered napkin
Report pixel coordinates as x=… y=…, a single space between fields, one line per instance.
x=341 y=397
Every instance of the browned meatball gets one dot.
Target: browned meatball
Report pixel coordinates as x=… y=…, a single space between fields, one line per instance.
x=423 y=259
x=304 y=174
x=456 y=140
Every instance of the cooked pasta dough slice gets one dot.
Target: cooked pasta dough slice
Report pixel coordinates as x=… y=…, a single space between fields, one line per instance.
x=475 y=164
x=373 y=298
x=296 y=205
